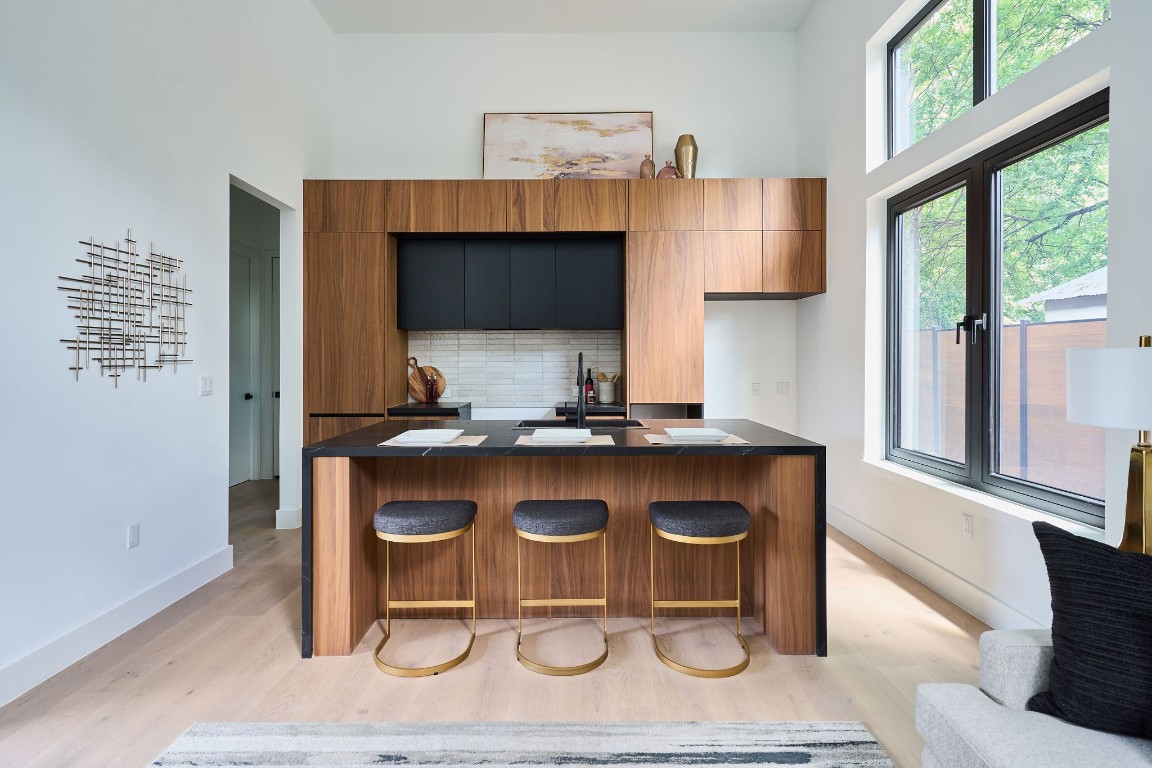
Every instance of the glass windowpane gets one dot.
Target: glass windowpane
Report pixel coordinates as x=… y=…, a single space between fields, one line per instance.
x=1029 y=32
x=932 y=367
x=932 y=74
x=1053 y=288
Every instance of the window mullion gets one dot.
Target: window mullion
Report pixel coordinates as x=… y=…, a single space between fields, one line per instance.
x=983 y=49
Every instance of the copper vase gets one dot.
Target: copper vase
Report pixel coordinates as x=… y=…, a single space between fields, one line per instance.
x=647 y=168
x=686 y=156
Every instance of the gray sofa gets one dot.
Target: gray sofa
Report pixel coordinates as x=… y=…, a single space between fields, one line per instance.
x=965 y=727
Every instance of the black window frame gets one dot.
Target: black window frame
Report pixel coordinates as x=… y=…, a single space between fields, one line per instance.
x=978 y=176
x=981 y=37
x=982 y=59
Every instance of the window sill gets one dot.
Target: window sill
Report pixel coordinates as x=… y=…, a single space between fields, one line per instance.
x=984 y=504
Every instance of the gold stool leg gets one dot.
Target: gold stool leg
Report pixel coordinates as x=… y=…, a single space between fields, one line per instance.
x=434 y=669
x=546 y=669
x=672 y=663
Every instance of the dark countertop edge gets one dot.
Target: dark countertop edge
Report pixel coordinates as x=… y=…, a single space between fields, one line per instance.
x=764 y=441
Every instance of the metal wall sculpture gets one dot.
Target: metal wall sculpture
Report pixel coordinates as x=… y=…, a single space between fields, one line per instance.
x=131 y=311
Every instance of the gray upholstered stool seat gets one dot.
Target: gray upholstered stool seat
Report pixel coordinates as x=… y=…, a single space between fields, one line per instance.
x=402 y=523
x=560 y=522
x=700 y=519
x=555 y=517
x=696 y=523
x=423 y=518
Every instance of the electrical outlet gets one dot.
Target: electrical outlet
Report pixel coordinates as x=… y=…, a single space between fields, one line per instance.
x=783 y=387
x=205 y=386
x=968 y=526
x=133 y=535
x=755 y=389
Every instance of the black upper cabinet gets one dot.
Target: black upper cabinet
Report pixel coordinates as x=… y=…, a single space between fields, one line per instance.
x=430 y=284
x=533 y=284
x=590 y=283
x=487 y=282
x=575 y=283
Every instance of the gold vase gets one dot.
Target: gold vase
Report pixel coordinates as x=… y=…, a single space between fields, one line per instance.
x=686 y=156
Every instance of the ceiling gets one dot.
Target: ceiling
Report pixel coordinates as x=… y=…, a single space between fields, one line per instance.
x=424 y=16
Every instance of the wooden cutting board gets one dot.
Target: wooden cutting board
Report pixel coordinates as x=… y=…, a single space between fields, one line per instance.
x=419 y=376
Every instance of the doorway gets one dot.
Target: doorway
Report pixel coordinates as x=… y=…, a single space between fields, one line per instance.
x=254 y=339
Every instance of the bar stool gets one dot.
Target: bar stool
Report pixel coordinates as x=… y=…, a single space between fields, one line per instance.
x=413 y=522
x=556 y=522
x=698 y=522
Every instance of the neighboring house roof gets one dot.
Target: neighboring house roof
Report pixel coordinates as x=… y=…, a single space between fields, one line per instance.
x=1091 y=284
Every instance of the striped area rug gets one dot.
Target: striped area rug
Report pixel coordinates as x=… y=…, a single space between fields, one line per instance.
x=494 y=745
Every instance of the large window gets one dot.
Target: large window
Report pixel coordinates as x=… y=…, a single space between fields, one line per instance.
x=997 y=267
x=955 y=53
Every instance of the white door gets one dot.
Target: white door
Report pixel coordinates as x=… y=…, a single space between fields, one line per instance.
x=243 y=370
x=276 y=366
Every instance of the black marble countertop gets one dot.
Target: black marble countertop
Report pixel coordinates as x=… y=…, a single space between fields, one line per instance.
x=501 y=441
x=441 y=408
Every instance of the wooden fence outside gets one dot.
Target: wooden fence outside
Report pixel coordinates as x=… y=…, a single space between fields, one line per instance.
x=1037 y=443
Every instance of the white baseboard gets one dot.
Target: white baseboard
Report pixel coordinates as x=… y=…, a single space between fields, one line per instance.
x=288 y=518
x=965 y=594
x=26 y=673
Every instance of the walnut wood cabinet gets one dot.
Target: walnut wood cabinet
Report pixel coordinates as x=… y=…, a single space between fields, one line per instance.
x=423 y=206
x=349 y=295
x=728 y=238
x=733 y=204
x=794 y=228
x=664 y=317
x=567 y=205
x=785 y=259
x=344 y=206
x=656 y=205
x=734 y=261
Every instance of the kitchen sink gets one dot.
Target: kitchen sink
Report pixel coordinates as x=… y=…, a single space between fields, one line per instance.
x=591 y=424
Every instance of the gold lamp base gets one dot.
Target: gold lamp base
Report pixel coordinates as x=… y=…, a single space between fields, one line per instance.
x=1138 y=511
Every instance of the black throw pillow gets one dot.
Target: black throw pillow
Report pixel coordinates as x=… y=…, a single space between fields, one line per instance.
x=1101 y=674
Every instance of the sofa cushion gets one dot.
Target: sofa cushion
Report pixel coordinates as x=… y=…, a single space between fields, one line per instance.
x=1101 y=674
x=963 y=728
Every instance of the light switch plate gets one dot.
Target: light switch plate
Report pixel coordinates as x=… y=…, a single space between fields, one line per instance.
x=205 y=386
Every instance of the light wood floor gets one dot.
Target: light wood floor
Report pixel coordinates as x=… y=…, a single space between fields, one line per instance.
x=230 y=652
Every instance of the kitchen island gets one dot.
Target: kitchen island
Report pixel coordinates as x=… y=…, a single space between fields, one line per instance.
x=779 y=477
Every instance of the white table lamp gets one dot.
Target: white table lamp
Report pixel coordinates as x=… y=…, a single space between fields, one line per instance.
x=1112 y=387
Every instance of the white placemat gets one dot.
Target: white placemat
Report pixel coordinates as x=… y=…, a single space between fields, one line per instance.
x=665 y=440
x=471 y=440
x=594 y=440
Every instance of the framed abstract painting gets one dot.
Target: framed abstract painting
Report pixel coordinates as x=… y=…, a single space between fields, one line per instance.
x=566 y=145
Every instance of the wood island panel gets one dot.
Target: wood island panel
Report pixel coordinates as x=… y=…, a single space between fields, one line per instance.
x=777 y=561
x=733 y=262
x=343 y=495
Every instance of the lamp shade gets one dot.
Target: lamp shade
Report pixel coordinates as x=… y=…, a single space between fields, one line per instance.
x=1111 y=387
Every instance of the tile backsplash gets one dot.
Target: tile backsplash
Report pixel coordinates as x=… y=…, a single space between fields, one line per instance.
x=496 y=369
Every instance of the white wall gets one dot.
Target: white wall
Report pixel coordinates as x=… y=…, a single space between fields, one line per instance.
x=412 y=106
x=999 y=574
x=132 y=113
